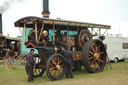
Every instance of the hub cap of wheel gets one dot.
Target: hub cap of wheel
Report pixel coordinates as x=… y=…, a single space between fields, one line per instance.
x=58 y=67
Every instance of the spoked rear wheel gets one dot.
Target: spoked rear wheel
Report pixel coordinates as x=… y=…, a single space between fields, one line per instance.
x=39 y=69
x=55 y=67
x=94 y=56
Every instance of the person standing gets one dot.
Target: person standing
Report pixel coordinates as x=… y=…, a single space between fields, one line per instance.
x=68 y=58
x=29 y=65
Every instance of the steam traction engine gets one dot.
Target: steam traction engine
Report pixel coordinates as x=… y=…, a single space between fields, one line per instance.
x=49 y=35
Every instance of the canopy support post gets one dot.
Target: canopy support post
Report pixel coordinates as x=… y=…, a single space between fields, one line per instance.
x=24 y=32
x=92 y=30
x=68 y=37
x=36 y=31
x=99 y=31
x=41 y=31
x=104 y=32
x=53 y=34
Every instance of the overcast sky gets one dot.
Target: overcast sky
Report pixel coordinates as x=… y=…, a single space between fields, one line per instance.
x=109 y=12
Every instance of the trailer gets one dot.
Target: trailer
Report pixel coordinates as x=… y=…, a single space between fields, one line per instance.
x=117 y=47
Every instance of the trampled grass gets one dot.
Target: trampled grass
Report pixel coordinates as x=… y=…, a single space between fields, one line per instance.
x=117 y=76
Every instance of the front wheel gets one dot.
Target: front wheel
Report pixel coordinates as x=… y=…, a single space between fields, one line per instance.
x=55 y=67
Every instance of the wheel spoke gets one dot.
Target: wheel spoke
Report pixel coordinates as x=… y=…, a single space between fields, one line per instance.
x=95 y=66
x=97 y=48
x=51 y=69
x=52 y=72
x=61 y=69
x=90 y=62
x=100 y=60
x=53 y=61
x=92 y=48
x=59 y=72
x=93 y=62
x=90 y=58
x=61 y=65
x=98 y=65
x=51 y=64
x=55 y=74
x=90 y=52
x=35 y=72
x=58 y=61
x=101 y=53
x=89 y=55
x=39 y=70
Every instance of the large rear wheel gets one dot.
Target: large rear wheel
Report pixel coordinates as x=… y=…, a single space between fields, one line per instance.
x=55 y=67
x=94 y=56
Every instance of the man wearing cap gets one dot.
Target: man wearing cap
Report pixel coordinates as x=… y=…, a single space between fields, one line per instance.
x=30 y=64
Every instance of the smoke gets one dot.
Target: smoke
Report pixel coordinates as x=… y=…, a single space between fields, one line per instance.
x=6 y=5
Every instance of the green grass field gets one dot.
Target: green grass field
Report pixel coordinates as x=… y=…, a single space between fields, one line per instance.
x=117 y=76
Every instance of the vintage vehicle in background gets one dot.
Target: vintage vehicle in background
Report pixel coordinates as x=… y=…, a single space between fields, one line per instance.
x=10 y=45
x=49 y=35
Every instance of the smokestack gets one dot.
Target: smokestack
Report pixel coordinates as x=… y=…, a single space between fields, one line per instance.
x=46 y=12
x=1 y=23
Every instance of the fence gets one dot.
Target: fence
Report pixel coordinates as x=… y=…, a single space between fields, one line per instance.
x=13 y=62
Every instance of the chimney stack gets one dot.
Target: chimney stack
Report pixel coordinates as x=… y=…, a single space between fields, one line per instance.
x=1 y=23
x=46 y=12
